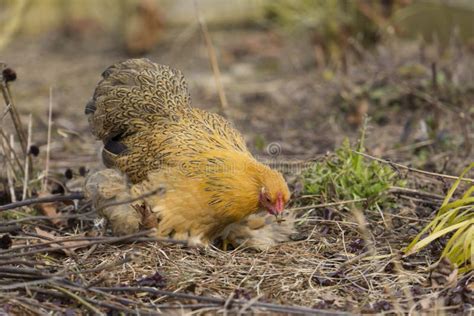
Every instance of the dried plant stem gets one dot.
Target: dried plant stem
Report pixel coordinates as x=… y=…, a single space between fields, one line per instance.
x=73 y=196
x=23 y=284
x=363 y=227
x=27 y=160
x=47 y=199
x=398 y=190
x=104 y=241
x=308 y=207
x=48 y=145
x=10 y=149
x=92 y=301
x=79 y=299
x=11 y=174
x=33 y=219
x=159 y=190
x=14 y=115
x=427 y=173
x=5 y=112
x=109 y=240
x=49 y=242
x=221 y=301
x=214 y=64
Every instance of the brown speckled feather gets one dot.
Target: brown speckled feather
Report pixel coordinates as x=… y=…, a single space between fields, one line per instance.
x=145 y=108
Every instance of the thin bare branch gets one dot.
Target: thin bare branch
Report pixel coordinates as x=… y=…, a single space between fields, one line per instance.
x=27 y=160
x=48 y=145
x=46 y=199
x=427 y=173
x=214 y=64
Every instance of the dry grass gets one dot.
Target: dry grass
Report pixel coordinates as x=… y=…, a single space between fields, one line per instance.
x=328 y=266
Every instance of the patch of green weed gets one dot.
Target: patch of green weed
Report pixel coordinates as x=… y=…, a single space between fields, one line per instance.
x=347 y=175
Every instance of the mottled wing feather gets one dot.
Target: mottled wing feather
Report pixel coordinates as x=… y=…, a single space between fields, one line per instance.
x=131 y=90
x=145 y=107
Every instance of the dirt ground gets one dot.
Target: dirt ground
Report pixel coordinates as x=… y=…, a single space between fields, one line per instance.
x=276 y=94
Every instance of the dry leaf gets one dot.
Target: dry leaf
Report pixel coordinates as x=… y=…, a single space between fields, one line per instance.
x=74 y=244
x=149 y=219
x=425 y=303
x=51 y=210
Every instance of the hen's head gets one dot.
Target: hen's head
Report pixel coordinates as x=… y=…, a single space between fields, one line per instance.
x=274 y=193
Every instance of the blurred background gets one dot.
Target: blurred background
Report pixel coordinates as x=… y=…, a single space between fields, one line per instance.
x=303 y=74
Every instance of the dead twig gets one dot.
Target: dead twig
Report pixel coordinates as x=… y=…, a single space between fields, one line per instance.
x=308 y=207
x=9 y=228
x=48 y=144
x=159 y=190
x=214 y=64
x=45 y=217
x=221 y=301
x=105 y=240
x=10 y=149
x=427 y=173
x=49 y=242
x=24 y=284
x=109 y=240
x=4 y=87
x=78 y=299
x=47 y=199
x=27 y=160
x=400 y=190
x=91 y=301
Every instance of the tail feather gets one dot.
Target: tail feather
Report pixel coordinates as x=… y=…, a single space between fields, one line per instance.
x=132 y=90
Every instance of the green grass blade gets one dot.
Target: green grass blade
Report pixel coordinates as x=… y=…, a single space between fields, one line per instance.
x=424 y=242
x=472 y=253
x=455 y=240
x=456 y=204
x=468 y=192
x=456 y=184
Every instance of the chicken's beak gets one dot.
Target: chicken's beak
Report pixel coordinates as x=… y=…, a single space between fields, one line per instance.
x=272 y=210
x=278 y=208
x=279 y=205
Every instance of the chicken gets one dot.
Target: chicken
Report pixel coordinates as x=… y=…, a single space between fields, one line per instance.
x=142 y=113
